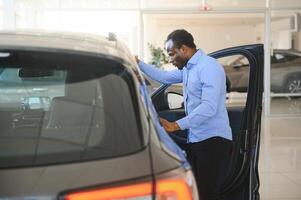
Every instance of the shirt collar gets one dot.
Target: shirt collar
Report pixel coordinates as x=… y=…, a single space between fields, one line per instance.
x=194 y=59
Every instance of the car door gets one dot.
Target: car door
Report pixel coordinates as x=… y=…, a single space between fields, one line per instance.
x=244 y=111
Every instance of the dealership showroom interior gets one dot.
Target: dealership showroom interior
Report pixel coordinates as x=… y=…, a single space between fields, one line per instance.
x=150 y=99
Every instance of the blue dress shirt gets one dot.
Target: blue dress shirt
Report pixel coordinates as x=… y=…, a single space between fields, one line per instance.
x=204 y=91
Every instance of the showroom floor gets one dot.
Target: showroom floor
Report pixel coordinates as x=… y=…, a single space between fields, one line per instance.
x=280 y=154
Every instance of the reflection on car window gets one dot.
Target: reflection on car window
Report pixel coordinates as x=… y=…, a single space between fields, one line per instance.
x=237 y=72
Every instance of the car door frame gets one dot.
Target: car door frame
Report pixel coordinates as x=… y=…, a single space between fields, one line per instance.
x=250 y=128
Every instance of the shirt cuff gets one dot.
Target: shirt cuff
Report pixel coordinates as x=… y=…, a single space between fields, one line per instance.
x=183 y=123
x=141 y=65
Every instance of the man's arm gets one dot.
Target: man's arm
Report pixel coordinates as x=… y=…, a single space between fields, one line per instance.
x=164 y=77
x=213 y=80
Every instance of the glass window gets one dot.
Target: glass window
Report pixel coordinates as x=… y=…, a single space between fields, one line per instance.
x=102 y=23
x=88 y=21
x=62 y=111
x=1 y=13
x=1 y=18
x=94 y=4
x=78 y=4
x=285 y=81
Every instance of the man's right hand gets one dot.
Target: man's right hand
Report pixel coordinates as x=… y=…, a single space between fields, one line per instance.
x=169 y=126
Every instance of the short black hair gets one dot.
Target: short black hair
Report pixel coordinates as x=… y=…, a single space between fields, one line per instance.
x=181 y=37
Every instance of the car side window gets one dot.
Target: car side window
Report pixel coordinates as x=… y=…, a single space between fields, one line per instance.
x=282 y=58
x=237 y=70
x=237 y=79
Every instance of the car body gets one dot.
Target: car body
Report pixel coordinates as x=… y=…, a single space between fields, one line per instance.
x=285 y=72
x=77 y=122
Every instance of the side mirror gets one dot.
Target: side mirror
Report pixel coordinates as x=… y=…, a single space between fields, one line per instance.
x=175 y=100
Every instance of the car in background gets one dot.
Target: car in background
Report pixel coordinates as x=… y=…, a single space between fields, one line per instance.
x=76 y=122
x=285 y=72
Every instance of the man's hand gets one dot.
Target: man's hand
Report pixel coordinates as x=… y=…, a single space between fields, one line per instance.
x=137 y=59
x=169 y=126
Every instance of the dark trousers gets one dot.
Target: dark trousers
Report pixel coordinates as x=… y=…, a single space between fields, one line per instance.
x=210 y=161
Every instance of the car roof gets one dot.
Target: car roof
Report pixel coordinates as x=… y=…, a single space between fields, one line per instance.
x=66 y=41
x=289 y=51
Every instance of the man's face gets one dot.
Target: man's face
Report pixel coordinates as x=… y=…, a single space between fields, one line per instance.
x=176 y=55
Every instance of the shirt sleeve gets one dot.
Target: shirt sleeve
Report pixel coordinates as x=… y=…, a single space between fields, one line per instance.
x=164 y=77
x=212 y=79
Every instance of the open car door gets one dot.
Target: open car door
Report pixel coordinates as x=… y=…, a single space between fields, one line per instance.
x=244 y=69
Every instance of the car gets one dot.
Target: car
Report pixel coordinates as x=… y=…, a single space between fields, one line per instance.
x=285 y=72
x=78 y=122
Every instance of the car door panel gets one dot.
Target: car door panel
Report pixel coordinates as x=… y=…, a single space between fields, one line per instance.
x=244 y=159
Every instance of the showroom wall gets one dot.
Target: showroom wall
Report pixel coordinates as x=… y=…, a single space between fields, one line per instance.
x=224 y=30
x=211 y=33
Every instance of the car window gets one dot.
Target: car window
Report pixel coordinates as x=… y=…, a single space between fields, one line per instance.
x=56 y=111
x=283 y=57
x=237 y=79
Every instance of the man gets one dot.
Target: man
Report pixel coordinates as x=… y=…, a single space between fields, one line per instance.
x=204 y=89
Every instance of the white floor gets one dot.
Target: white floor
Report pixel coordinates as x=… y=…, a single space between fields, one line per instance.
x=280 y=155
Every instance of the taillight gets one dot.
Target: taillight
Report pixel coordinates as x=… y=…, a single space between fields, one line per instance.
x=173 y=189
x=168 y=187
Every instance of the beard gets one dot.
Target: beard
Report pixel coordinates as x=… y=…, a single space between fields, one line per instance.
x=180 y=66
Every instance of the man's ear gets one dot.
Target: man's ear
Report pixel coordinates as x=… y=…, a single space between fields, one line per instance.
x=184 y=49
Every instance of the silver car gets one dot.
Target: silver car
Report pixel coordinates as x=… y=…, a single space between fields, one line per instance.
x=285 y=72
